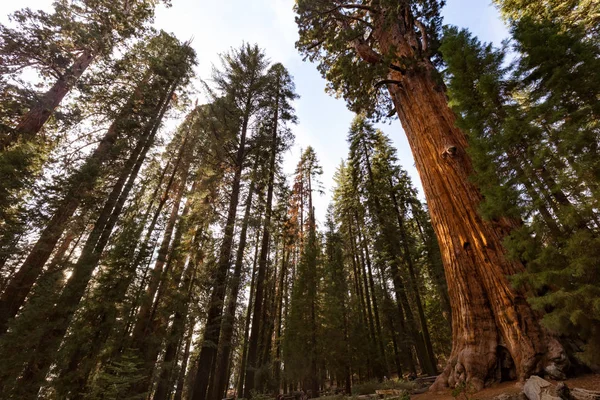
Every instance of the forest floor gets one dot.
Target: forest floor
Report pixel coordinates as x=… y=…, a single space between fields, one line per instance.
x=589 y=382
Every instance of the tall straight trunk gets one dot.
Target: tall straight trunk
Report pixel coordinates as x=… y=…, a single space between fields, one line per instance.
x=397 y=356
x=436 y=270
x=356 y=273
x=184 y=362
x=365 y=288
x=176 y=334
x=488 y=313
x=32 y=122
x=244 y=358
x=347 y=358
x=170 y=299
x=411 y=331
x=219 y=381
x=389 y=233
x=69 y=300
x=377 y=370
x=269 y=314
x=82 y=361
x=144 y=316
x=212 y=332
x=369 y=274
x=404 y=333
x=83 y=182
x=145 y=249
x=279 y=317
x=262 y=265
x=430 y=366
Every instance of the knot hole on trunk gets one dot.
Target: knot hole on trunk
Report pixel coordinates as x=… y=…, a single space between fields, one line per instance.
x=449 y=151
x=467 y=246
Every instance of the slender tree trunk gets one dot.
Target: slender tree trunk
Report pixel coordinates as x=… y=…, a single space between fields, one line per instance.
x=266 y=330
x=389 y=234
x=83 y=182
x=365 y=287
x=262 y=265
x=219 y=385
x=356 y=271
x=144 y=317
x=34 y=120
x=314 y=380
x=171 y=299
x=368 y=276
x=430 y=366
x=95 y=244
x=279 y=317
x=212 y=331
x=435 y=267
x=69 y=300
x=242 y=369
x=176 y=333
x=347 y=358
x=184 y=362
x=488 y=313
x=120 y=281
x=147 y=333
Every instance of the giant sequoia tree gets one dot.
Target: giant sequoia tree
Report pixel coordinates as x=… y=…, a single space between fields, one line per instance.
x=533 y=131
x=366 y=46
x=139 y=262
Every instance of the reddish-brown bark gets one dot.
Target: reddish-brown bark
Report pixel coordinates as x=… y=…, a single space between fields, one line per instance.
x=34 y=120
x=219 y=383
x=488 y=314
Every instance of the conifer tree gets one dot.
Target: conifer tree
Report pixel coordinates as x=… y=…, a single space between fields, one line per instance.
x=171 y=72
x=335 y=314
x=397 y=48
x=241 y=83
x=301 y=330
x=59 y=47
x=62 y=45
x=533 y=138
x=280 y=93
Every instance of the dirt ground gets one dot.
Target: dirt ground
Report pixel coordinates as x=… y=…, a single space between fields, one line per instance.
x=590 y=382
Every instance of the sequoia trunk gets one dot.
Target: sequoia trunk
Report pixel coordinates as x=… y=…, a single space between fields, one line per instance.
x=34 y=120
x=487 y=312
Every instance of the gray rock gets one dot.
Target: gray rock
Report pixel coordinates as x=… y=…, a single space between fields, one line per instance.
x=505 y=396
x=537 y=388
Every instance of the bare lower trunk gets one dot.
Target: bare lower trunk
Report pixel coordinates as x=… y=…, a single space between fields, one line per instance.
x=279 y=318
x=219 y=381
x=488 y=313
x=212 y=332
x=83 y=183
x=184 y=362
x=176 y=334
x=242 y=369
x=431 y=365
x=368 y=276
x=262 y=268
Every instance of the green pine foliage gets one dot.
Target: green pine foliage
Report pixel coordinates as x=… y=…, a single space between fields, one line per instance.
x=140 y=262
x=533 y=134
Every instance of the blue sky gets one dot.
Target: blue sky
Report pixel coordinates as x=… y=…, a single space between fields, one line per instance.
x=217 y=26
